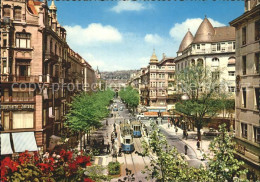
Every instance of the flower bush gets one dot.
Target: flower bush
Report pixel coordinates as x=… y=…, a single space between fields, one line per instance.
x=63 y=167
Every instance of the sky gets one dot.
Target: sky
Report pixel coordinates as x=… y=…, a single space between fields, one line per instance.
x=121 y=35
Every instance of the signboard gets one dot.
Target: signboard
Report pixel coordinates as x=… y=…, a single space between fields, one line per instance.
x=18 y=107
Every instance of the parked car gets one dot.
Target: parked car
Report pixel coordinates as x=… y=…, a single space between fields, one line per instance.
x=211 y=132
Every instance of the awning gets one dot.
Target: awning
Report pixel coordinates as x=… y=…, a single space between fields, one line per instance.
x=24 y=141
x=6 y=144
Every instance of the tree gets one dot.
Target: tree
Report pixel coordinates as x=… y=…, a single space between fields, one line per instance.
x=130 y=96
x=166 y=164
x=224 y=166
x=203 y=89
x=86 y=111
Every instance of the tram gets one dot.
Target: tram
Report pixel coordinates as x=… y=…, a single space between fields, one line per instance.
x=126 y=138
x=136 y=127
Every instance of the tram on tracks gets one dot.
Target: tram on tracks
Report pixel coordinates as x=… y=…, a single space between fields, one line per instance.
x=126 y=138
x=136 y=127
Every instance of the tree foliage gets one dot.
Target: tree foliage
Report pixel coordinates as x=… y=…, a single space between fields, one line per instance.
x=86 y=110
x=130 y=96
x=205 y=92
x=168 y=165
x=224 y=166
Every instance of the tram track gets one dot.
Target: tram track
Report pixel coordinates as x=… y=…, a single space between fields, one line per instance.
x=139 y=148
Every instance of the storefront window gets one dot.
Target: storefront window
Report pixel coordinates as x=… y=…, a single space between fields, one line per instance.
x=22 y=119
x=6 y=121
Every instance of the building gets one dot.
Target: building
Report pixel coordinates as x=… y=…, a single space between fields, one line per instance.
x=212 y=47
x=39 y=74
x=247 y=121
x=157 y=83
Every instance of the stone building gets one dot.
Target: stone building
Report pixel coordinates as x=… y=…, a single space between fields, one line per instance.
x=212 y=47
x=37 y=70
x=247 y=121
x=157 y=81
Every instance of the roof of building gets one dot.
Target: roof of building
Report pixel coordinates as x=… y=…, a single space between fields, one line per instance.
x=153 y=57
x=186 y=41
x=224 y=34
x=205 y=32
x=52 y=6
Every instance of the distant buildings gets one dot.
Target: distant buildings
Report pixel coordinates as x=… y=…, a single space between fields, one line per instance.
x=212 y=47
x=39 y=74
x=247 y=126
x=155 y=83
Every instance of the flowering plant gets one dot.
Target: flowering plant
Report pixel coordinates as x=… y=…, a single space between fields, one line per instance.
x=65 y=166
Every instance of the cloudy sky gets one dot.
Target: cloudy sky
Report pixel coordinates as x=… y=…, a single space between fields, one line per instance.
x=121 y=35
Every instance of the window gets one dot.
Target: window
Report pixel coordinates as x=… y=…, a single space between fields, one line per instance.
x=215 y=75
x=4 y=66
x=244 y=65
x=57 y=113
x=215 y=62
x=243 y=35
x=200 y=62
x=244 y=130
x=231 y=89
x=55 y=49
x=23 y=40
x=234 y=45
x=257 y=63
x=257 y=90
x=22 y=119
x=213 y=47
x=198 y=46
x=6 y=121
x=257 y=30
x=218 y=47
x=244 y=97
x=7 y=11
x=6 y=95
x=23 y=96
x=231 y=73
x=223 y=47
x=51 y=46
x=17 y=13
x=4 y=43
x=257 y=134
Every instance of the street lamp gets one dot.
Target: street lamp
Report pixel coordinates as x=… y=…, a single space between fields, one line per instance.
x=185 y=97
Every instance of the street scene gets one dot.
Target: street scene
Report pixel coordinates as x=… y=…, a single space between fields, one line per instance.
x=130 y=91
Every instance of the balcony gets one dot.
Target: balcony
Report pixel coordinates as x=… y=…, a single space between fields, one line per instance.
x=24 y=79
x=50 y=56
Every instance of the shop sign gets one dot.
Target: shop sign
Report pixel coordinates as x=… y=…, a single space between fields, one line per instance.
x=18 y=107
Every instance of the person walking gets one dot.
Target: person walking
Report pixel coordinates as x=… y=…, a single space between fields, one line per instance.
x=198 y=144
x=106 y=122
x=108 y=148
x=176 y=130
x=186 y=149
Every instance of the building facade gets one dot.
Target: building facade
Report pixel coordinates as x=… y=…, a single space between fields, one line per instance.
x=212 y=47
x=38 y=70
x=157 y=83
x=247 y=126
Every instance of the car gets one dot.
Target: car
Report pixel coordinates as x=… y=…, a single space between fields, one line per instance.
x=115 y=109
x=211 y=132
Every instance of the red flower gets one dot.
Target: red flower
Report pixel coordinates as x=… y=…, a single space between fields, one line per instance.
x=88 y=164
x=73 y=166
x=88 y=180
x=62 y=153
x=69 y=155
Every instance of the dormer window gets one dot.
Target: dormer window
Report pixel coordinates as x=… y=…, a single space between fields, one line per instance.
x=198 y=46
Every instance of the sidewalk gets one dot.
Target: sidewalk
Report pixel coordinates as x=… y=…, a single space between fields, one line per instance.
x=191 y=141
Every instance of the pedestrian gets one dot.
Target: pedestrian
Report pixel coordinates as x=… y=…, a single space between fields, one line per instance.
x=103 y=142
x=113 y=141
x=198 y=144
x=106 y=122
x=108 y=148
x=114 y=126
x=186 y=149
x=168 y=125
x=116 y=134
x=176 y=130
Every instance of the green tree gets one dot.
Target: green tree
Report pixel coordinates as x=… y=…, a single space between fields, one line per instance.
x=86 y=111
x=203 y=88
x=130 y=96
x=166 y=164
x=224 y=166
